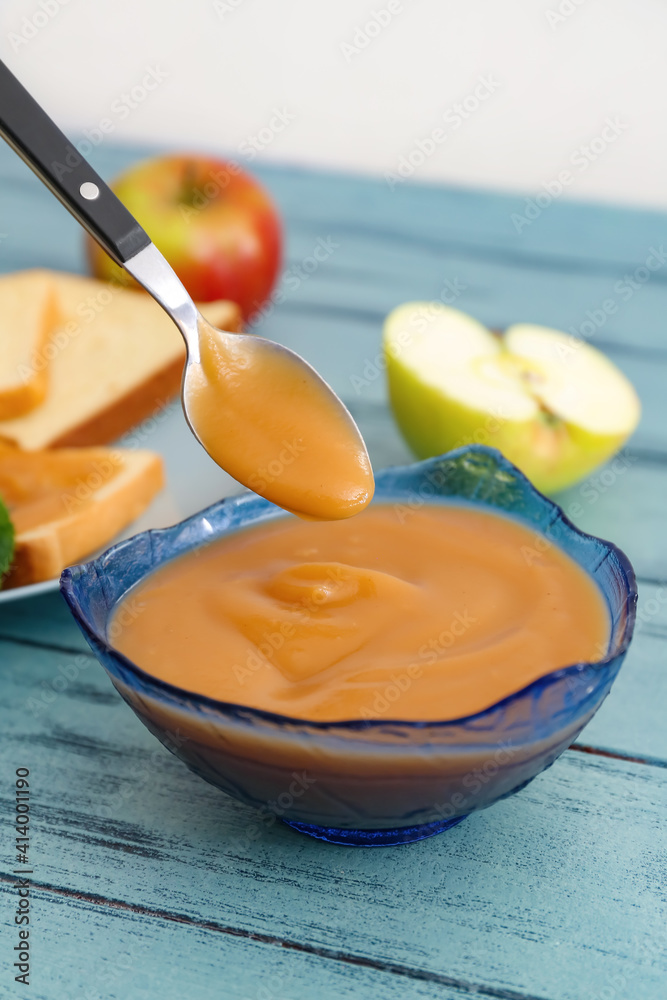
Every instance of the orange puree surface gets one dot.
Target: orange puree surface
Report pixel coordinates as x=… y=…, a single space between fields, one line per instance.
x=43 y=486
x=270 y=425
x=434 y=618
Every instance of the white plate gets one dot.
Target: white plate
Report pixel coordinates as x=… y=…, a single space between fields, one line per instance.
x=194 y=481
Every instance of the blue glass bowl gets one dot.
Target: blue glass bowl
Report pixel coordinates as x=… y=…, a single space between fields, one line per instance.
x=371 y=782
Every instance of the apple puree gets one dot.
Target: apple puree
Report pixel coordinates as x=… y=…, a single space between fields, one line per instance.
x=43 y=486
x=433 y=616
x=297 y=451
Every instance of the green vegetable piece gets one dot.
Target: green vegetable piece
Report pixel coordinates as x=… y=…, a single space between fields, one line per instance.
x=6 y=540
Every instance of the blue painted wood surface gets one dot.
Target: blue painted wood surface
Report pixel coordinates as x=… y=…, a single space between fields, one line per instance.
x=154 y=884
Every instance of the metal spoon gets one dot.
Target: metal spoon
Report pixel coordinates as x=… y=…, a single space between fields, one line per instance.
x=39 y=142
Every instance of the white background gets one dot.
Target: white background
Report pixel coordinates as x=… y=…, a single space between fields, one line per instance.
x=229 y=63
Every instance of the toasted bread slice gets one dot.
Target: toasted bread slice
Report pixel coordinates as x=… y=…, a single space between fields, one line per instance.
x=116 y=360
x=66 y=503
x=28 y=315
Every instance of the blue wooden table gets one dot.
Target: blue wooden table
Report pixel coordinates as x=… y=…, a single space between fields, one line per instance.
x=147 y=882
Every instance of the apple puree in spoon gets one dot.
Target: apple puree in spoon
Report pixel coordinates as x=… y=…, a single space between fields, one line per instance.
x=275 y=426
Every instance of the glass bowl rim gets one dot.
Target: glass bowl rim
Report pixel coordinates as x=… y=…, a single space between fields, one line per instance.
x=247 y=713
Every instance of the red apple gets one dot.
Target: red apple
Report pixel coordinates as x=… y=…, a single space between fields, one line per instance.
x=216 y=225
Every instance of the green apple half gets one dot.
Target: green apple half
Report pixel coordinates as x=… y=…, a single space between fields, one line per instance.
x=554 y=405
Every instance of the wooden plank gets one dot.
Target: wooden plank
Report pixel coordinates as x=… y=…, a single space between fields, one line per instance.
x=602 y=234
x=568 y=229
x=632 y=719
x=88 y=950
x=114 y=815
x=370 y=275
x=393 y=247
x=472 y=217
x=42 y=621
x=627 y=508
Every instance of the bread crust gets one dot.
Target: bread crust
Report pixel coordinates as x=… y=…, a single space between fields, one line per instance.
x=145 y=401
x=19 y=399
x=113 y=418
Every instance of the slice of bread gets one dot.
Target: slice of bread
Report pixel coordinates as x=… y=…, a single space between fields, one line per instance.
x=28 y=315
x=67 y=503
x=115 y=360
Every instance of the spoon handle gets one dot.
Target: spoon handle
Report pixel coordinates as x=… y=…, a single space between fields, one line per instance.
x=39 y=142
